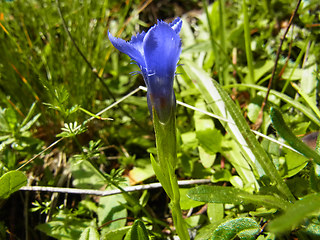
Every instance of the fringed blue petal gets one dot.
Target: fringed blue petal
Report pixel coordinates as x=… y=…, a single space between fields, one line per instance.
x=162 y=48
x=134 y=51
x=137 y=41
x=176 y=25
x=157 y=53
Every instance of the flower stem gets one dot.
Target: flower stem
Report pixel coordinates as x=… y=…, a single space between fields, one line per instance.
x=165 y=168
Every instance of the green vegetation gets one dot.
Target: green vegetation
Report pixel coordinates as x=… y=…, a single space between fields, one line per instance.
x=74 y=120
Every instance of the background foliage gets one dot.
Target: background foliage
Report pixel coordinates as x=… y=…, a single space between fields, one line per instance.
x=51 y=82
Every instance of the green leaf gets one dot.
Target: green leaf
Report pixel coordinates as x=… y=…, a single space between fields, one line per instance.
x=309 y=113
x=28 y=125
x=215 y=212
x=313 y=229
x=90 y=233
x=315 y=177
x=244 y=228
x=222 y=175
x=219 y=101
x=64 y=227
x=116 y=234
x=30 y=114
x=296 y=213
x=137 y=232
x=11 y=182
x=142 y=172
x=210 y=140
x=85 y=175
x=286 y=133
x=233 y=152
x=308 y=99
x=111 y=209
x=218 y=194
x=217 y=105
x=295 y=162
x=187 y=203
x=208 y=137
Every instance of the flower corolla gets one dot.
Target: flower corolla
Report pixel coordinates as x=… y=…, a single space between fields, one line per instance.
x=157 y=53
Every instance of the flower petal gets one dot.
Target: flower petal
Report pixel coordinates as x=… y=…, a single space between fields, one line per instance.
x=134 y=50
x=162 y=48
x=176 y=25
x=137 y=41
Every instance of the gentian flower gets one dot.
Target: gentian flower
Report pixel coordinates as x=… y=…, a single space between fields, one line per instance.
x=157 y=53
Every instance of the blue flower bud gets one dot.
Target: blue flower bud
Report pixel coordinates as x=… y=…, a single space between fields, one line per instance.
x=156 y=53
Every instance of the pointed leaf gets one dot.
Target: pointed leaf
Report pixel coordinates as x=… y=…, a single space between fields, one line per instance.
x=218 y=194
x=137 y=232
x=296 y=213
x=90 y=233
x=285 y=132
x=220 y=103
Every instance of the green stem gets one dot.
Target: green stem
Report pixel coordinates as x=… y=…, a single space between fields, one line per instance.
x=165 y=169
x=213 y=43
x=222 y=32
x=247 y=38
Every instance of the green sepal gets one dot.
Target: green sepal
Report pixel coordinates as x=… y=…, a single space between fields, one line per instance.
x=163 y=179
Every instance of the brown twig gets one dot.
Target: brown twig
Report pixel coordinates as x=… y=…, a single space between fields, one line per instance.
x=259 y=120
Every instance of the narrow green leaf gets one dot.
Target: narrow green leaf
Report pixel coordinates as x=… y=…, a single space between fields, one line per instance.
x=215 y=103
x=218 y=194
x=308 y=99
x=261 y=156
x=221 y=104
x=310 y=114
x=30 y=114
x=295 y=214
x=244 y=228
x=28 y=124
x=285 y=132
x=11 y=182
x=247 y=37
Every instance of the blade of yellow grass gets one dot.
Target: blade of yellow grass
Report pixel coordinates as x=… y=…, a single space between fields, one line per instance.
x=25 y=82
x=15 y=107
x=4 y=29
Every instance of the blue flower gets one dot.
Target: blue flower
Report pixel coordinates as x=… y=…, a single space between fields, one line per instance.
x=157 y=53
